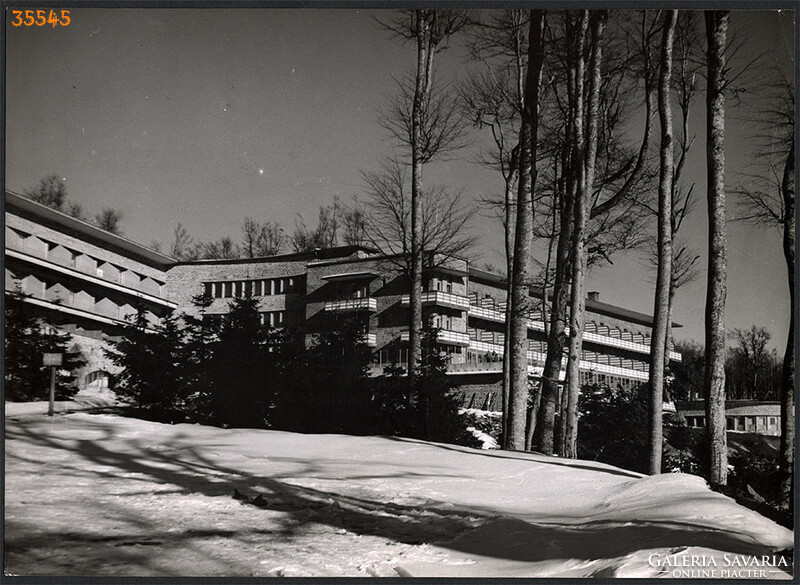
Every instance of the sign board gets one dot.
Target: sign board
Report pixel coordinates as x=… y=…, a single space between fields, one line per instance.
x=52 y=359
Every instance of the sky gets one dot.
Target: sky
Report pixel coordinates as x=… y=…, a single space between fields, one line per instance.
x=205 y=117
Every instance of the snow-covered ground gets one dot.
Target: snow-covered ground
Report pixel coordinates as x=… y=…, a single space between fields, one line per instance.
x=100 y=495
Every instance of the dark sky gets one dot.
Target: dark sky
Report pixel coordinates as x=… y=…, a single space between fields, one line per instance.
x=206 y=116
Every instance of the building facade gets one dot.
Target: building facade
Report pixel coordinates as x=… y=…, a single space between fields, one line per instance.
x=744 y=416
x=81 y=278
x=87 y=281
x=319 y=290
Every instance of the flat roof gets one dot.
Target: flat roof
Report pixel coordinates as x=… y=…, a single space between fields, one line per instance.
x=84 y=230
x=339 y=252
x=350 y=275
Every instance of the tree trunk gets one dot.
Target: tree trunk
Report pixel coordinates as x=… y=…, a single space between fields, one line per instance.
x=523 y=271
x=716 y=29
x=510 y=224
x=586 y=159
x=658 y=342
x=543 y=437
x=787 y=390
x=421 y=93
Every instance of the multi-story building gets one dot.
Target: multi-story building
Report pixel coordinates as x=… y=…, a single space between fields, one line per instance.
x=317 y=290
x=80 y=277
x=88 y=280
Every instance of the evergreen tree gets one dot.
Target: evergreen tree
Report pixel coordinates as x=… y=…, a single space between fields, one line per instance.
x=325 y=386
x=242 y=367
x=421 y=405
x=199 y=337
x=149 y=358
x=27 y=338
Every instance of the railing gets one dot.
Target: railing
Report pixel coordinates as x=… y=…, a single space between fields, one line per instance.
x=444 y=336
x=500 y=317
x=440 y=298
x=85 y=268
x=362 y=304
x=535 y=358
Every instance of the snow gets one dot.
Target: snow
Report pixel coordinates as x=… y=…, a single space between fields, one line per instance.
x=101 y=495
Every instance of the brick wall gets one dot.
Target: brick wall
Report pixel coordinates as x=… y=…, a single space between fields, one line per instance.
x=187 y=280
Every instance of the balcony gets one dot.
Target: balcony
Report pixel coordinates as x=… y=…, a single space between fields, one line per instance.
x=353 y=305
x=500 y=317
x=439 y=299
x=445 y=336
x=537 y=325
x=106 y=315
x=145 y=289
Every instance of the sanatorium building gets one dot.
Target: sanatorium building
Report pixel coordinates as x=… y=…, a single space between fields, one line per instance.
x=87 y=281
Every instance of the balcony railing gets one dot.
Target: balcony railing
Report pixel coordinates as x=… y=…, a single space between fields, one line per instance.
x=439 y=298
x=85 y=268
x=362 y=304
x=537 y=325
x=445 y=336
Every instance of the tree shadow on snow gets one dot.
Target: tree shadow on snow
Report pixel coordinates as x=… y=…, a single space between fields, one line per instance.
x=296 y=509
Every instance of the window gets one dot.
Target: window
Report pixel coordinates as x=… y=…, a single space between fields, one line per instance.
x=227 y=290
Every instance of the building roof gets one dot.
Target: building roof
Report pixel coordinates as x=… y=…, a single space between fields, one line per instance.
x=84 y=230
x=602 y=308
x=338 y=252
x=593 y=305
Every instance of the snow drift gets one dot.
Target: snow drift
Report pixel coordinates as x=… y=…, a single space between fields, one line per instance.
x=103 y=495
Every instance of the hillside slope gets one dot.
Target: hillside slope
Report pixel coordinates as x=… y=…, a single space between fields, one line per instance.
x=103 y=495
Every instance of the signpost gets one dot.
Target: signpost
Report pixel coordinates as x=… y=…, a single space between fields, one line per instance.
x=54 y=360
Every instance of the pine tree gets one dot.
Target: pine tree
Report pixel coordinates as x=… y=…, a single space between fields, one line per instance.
x=26 y=339
x=149 y=358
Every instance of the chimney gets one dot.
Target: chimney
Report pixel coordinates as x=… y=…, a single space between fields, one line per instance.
x=594 y=296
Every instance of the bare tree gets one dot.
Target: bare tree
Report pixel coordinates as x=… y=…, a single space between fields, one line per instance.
x=766 y=197
x=259 y=240
x=753 y=367
x=354 y=224
x=109 y=220
x=182 y=247
x=586 y=142
x=223 y=249
x=325 y=235
x=658 y=345
x=493 y=99
x=614 y=220
x=716 y=31
x=50 y=191
x=427 y=123
x=443 y=216
x=522 y=264
x=76 y=210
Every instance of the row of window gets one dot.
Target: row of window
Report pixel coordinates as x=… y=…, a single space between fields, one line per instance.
x=606 y=380
x=256 y=288
x=740 y=423
x=273 y=319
